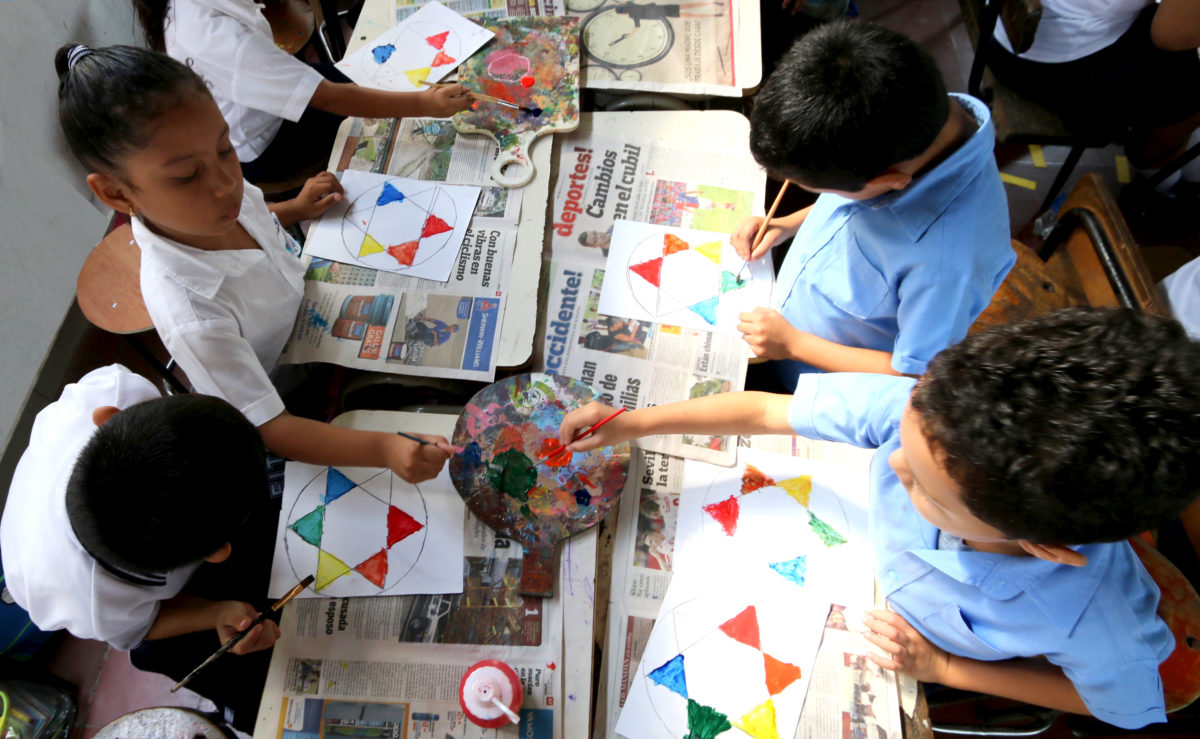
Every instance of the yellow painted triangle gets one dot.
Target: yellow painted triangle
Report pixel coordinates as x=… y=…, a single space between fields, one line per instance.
x=799 y=488
x=712 y=250
x=369 y=246
x=760 y=723
x=329 y=568
x=417 y=76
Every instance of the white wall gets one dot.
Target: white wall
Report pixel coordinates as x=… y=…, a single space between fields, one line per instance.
x=47 y=220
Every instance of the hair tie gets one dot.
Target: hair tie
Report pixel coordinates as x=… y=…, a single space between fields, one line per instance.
x=76 y=53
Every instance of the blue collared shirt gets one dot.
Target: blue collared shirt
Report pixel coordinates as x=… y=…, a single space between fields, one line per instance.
x=1096 y=622
x=907 y=272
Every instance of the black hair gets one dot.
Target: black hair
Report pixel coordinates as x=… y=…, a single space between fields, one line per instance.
x=1078 y=426
x=109 y=97
x=847 y=101
x=166 y=483
x=152 y=14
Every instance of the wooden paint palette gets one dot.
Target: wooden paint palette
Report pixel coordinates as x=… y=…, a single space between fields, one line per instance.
x=534 y=63
x=501 y=433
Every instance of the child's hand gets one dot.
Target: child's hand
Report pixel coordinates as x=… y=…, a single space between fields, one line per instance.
x=909 y=652
x=582 y=419
x=317 y=195
x=415 y=462
x=233 y=616
x=769 y=334
x=744 y=236
x=445 y=100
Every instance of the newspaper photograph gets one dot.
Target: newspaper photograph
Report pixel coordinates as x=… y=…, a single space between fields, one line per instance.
x=391 y=666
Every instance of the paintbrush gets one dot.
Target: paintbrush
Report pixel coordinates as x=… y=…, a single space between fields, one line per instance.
x=237 y=638
x=534 y=112
x=424 y=442
x=762 y=227
x=554 y=452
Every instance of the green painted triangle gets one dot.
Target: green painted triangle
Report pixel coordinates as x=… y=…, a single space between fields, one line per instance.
x=730 y=281
x=311 y=526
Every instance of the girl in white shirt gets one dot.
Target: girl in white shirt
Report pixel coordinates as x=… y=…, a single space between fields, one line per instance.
x=278 y=107
x=219 y=274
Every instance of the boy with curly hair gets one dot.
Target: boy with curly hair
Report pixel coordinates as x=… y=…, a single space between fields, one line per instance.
x=1005 y=483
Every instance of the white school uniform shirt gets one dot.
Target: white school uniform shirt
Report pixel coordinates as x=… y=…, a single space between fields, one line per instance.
x=255 y=83
x=46 y=569
x=1072 y=29
x=1181 y=290
x=225 y=316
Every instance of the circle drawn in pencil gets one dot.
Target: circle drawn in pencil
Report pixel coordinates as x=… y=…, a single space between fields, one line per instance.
x=393 y=227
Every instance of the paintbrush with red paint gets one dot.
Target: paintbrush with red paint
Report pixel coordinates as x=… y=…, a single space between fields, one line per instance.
x=534 y=112
x=555 y=451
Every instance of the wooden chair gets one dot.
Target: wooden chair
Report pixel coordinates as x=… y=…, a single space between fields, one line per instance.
x=109 y=293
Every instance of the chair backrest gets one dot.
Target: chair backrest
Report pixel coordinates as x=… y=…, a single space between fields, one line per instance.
x=109 y=288
x=1180 y=608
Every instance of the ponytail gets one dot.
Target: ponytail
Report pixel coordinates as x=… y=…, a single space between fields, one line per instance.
x=152 y=14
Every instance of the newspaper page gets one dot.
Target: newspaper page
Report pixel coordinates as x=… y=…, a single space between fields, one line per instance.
x=636 y=363
x=476 y=9
x=393 y=664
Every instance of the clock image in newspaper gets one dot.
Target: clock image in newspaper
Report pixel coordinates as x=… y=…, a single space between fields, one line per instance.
x=629 y=35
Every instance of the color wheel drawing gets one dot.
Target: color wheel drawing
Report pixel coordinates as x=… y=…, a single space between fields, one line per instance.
x=358 y=538
x=723 y=507
x=394 y=227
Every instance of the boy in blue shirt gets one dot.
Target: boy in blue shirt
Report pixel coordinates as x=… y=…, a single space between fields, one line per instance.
x=1005 y=484
x=910 y=236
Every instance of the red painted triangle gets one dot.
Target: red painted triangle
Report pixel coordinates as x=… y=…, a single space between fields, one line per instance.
x=649 y=270
x=725 y=513
x=404 y=253
x=435 y=226
x=779 y=674
x=753 y=479
x=375 y=567
x=442 y=59
x=400 y=526
x=437 y=40
x=743 y=627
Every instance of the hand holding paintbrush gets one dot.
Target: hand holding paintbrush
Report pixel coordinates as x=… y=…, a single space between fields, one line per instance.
x=753 y=252
x=532 y=112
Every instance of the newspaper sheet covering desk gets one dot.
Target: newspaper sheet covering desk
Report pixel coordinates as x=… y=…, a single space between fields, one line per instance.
x=643 y=558
x=399 y=660
x=631 y=363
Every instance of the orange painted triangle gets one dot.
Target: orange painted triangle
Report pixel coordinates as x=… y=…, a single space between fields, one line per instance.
x=375 y=568
x=400 y=525
x=437 y=40
x=779 y=674
x=404 y=253
x=743 y=627
x=442 y=59
x=753 y=479
x=649 y=271
x=435 y=226
x=672 y=244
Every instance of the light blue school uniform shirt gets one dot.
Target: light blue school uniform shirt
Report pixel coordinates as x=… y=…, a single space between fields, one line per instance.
x=906 y=272
x=1096 y=622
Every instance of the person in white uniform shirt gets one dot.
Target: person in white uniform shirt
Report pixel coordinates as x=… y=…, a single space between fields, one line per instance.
x=219 y=276
x=282 y=112
x=1107 y=66
x=127 y=521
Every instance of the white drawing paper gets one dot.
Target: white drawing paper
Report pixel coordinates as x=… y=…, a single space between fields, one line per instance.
x=681 y=277
x=363 y=531
x=428 y=45
x=409 y=227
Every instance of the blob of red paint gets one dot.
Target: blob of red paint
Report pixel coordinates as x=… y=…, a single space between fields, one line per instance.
x=527 y=81
x=550 y=665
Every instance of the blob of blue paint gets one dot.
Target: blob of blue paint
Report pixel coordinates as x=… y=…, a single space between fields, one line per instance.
x=670 y=676
x=472 y=455
x=316 y=319
x=583 y=497
x=389 y=195
x=383 y=52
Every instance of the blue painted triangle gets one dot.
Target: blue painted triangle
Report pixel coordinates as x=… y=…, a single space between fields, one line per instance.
x=389 y=195
x=707 y=310
x=671 y=676
x=792 y=569
x=336 y=485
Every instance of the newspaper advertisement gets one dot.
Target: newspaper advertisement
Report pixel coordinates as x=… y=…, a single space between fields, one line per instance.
x=391 y=666
x=477 y=9
x=643 y=559
x=633 y=363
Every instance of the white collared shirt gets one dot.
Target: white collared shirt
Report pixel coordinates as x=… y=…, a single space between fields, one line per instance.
x=1073 y=29
x=225 y=316
x=46 y=569
x=255 y=83
x=1181 y=290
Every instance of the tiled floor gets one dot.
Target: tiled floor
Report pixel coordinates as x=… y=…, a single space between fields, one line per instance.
x=110 y=687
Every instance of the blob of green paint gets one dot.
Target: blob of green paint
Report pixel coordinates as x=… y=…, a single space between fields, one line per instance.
x=825 y=531
x=512 y=473
x=705 y=722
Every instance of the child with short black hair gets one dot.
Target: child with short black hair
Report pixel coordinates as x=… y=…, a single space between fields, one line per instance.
x=910 y=236
x=1004 y=485
x=220 y=277
x=145 y=522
